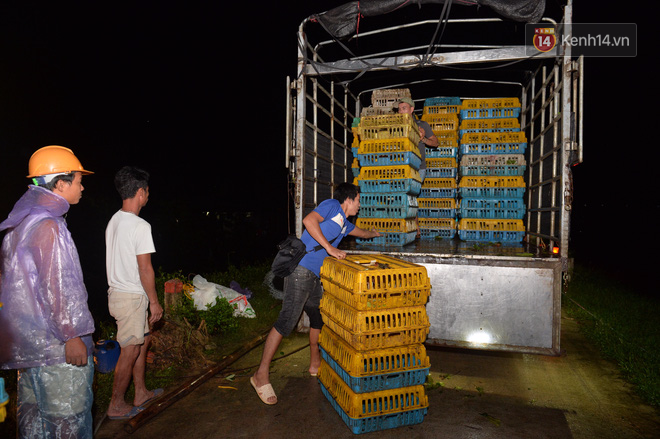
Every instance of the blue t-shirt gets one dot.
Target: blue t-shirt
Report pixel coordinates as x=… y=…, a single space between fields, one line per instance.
x=334 y=225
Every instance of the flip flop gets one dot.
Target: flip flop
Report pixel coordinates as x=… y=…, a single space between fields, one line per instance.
x=134 y=411
x=157 y=393
x=264 y=392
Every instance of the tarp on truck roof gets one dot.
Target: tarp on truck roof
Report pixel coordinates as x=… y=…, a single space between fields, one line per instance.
x=342 y=22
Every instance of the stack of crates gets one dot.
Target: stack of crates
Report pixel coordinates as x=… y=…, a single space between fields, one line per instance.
x=388 y=161
x=373 y=360
x=492 y=165
x=383 y=102
x=437 y=200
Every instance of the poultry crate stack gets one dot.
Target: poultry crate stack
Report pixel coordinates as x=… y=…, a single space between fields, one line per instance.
x=373 y=360
x=492 y=165
x=388 y=160
x=383 y=102
x=437 y=200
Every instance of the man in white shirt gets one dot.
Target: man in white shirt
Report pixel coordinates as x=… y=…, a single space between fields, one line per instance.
x=132 y=291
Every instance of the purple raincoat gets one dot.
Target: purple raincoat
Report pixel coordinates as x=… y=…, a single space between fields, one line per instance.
x=42 y=287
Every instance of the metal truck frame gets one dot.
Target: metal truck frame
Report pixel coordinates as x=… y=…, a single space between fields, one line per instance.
x=483 y=297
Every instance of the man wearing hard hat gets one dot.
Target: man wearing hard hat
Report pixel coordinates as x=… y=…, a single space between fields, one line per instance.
x=46 y=326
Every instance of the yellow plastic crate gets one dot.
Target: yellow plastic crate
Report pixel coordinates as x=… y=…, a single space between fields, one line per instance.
x=379 y=322
x=391 y=132
x=447 y=139
x=387 y=146
x=489 y=181
x=394 y=225
x=475 y=104
x=441 y=109
x=506 y=137
x=441 y=122
x=364 y=405
x=375 y=361
x=489 y=124
x=499 y=225
x=375 y=272
x=386 y=119
x=436 y=203
x=389 y=173
x=371 y=300
x=389 y=127
x=444 y=183
x=442 y=162
x=379 y=340
x=437 y=223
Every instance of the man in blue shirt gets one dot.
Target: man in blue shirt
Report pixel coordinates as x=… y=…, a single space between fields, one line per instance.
x=326 y=226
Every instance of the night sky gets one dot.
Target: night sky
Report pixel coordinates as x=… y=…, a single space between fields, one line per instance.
x=194 y=92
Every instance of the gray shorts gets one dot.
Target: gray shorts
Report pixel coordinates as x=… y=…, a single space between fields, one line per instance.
x=302 y=291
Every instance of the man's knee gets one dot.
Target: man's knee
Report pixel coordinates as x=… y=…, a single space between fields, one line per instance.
x=129 y=353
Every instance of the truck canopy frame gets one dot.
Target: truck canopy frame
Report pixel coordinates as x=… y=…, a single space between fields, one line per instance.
x=331 y=89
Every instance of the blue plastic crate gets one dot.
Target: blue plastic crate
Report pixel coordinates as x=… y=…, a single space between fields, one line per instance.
x=442 y=152
x=487 y=130
x=494 y=213
x=388 y=205
x=493 y=203
x=390 y=159
x=500 y=170
x=494 y=148
x=491 y=192
x=376 y=423
x=437 y=233
x=374 y=383
x=434 y=192
x=388 y=212
x=441 y=172
x=491 y=235
x=436 y=213
x=490 y=113
x=403 y=185
x=440 y=101
x=390 y=238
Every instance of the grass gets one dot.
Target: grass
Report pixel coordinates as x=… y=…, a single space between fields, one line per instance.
x=622 y=323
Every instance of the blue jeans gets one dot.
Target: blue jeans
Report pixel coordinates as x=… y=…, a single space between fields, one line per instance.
x=302 y=291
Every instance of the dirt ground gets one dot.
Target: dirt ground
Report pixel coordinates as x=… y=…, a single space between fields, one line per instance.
x=483 y=395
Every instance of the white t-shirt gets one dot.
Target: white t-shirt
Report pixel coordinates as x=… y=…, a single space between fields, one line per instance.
x=126 y=236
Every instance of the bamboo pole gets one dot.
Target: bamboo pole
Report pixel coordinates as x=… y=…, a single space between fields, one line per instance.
x=167 y=400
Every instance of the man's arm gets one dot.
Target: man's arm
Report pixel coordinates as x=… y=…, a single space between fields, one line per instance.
x=361 y=233
x=312 y=223
x=430 y=141
x=148 y=280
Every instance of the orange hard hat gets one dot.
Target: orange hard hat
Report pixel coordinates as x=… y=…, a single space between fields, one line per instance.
x=54 y=159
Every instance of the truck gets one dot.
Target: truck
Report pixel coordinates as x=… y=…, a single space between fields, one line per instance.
x=483 y=296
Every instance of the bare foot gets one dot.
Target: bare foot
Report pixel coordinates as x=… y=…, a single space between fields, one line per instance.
x=119 y=410
x=145 y=397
